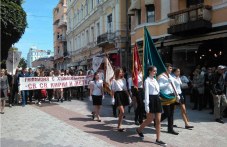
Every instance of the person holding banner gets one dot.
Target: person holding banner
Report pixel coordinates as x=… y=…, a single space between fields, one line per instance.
x=4 y=90
x=96 y=95
x=153 y=105
x=120 y=95
x=24 y=93
x=166 y=83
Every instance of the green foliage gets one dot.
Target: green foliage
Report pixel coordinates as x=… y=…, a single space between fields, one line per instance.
x=22 y=63
x=13 y=24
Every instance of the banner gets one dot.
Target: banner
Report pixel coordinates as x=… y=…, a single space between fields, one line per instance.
x=109 y=71
x=96 y=62
x=136 y=68
x=32 y=83
x=12 y=61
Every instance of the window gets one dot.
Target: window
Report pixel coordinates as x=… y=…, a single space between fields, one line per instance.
x=87 y=36
x=109 y=23
x=97 y=2
x=98 y=29
x=150 y=13
x=92 y=34
x=86 y=7
x=92 y=4
x=139 y=16
x=194 y=2
x=82 y=15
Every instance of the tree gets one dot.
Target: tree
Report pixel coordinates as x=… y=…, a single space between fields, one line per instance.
x=22 y=63
x=13 y=24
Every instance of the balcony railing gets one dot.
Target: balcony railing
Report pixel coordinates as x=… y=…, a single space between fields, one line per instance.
x=61 y=38
x=105 y=38
x=194 y=18
x=62 y=23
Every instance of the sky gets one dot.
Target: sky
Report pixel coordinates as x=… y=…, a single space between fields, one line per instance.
x=39 y=31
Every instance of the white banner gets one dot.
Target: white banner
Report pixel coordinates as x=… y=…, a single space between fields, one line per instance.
x=109 y=71
x=96 y=62
x=31 y=83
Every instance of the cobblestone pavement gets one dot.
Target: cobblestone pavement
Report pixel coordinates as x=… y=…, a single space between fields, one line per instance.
x=69 y=124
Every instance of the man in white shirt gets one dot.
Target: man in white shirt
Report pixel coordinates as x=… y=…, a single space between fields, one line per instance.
x=166 y=84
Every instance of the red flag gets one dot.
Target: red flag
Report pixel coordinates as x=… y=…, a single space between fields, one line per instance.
x=136 y=68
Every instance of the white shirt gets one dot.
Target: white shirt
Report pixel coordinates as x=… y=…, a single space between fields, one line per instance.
x=178 y=83
x=97 y=86
x=165 y=85
x=151 y=88
x=130 y=83
x=119 y=85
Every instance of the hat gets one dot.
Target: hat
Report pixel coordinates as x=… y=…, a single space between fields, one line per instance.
x=221 y=67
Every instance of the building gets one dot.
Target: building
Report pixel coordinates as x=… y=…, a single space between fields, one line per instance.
x=96 y=28
x=35 y=53
x=60 y=45
x=186 y=32
x=47 y=62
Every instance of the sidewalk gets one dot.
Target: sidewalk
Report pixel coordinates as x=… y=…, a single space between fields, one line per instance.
x=70 y=124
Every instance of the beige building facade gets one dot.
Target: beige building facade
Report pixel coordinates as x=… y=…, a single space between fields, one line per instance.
x=97 y=28
x=186 y=32
x=61 y=55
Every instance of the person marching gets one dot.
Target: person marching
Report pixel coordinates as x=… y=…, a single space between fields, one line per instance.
x=165 y=81
x=96 y=95
x=120 y=95
x=4 y=90
x=178 y=84
x=153 y=105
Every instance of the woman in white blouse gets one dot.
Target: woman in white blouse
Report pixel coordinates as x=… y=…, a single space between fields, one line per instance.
x=178 y=83
x=153 y=105
x=120 y=95
x=96 y=95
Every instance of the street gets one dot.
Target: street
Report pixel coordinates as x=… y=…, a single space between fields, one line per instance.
x=69 y=124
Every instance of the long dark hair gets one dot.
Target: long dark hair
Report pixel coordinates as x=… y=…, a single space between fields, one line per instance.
x=117 y=72
x=94 y=76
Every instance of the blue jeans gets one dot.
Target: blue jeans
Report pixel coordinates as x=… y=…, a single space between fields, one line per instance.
x=24 y=95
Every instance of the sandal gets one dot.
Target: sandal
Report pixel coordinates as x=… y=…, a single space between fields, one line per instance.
x=121 y=130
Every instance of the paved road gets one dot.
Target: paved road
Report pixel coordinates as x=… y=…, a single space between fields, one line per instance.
x=69 y=124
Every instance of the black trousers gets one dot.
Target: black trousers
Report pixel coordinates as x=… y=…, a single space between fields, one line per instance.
x=198 y=99
x=139 y=112
x=67 y=94
x=80 y=92
x=168 y=113
x=30 y=94
x=50 y=93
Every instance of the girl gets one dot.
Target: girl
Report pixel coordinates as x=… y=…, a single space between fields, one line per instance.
x=178 y=84
x=152 y=104
x=120 y=95
x=96 y=94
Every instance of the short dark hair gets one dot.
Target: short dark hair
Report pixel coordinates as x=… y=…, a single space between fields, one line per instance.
x=168 y=65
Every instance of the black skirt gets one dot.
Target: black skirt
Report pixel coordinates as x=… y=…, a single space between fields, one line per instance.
x=155 y=104
x=121 y=98
x=97 y=99
x=181 y=98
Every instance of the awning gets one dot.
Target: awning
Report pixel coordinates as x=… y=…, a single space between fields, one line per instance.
x=136 y=5
x=209 y=36
x=131 y=13
x=149 y=2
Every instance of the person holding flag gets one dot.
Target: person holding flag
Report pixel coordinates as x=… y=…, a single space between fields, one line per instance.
x=137 y=80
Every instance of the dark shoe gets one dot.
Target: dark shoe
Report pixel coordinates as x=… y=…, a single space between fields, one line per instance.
x=173 y=132
x=124 y=116
x=62 y=100
x=139 y=133
x=99 y=120
x=121 y=130
x=189 y=127
x=93 y=116
x=159 y=142
x=137 y=123
x=219 y=120
x=175 y=126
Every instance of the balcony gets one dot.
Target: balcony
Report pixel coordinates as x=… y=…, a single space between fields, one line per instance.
x=62 y=23
x=106 y=38
x=193 y=20
x=62 y=39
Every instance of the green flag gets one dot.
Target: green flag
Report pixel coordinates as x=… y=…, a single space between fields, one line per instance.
x=151 y=56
